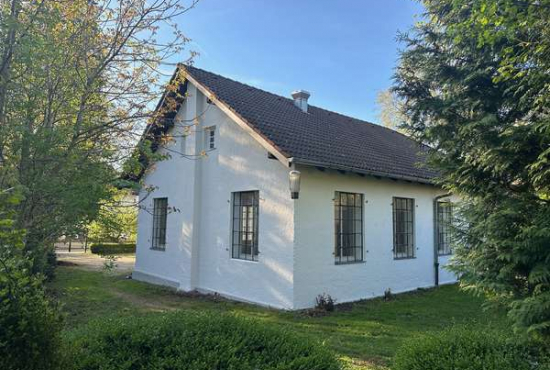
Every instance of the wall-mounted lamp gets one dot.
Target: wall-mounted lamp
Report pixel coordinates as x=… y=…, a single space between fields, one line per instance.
x=294 y=178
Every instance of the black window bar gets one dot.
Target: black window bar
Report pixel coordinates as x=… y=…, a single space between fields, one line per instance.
x=245 y=225
x=403 y=228
x=348 y=225
x=444 y=227
x=160 y=213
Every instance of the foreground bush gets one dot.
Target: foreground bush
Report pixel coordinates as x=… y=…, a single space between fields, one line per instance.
x=462 y=349
x=184 y=340
x=30 y=324
x=109 y=249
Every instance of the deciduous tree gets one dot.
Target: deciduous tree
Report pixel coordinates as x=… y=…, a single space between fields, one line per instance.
x=78 y=79
x=390 y=110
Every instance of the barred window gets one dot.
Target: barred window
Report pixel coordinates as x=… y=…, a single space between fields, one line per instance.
x=160 y=212
x=348 y=222
x=403 y=228
x=444 y=219
x=245 y=225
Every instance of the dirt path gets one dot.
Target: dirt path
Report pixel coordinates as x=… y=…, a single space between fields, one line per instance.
x=93 y=262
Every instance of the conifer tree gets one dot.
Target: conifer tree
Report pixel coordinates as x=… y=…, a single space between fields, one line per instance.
x=474 y=77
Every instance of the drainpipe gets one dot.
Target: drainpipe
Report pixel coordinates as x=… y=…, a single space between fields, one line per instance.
x=436 y=242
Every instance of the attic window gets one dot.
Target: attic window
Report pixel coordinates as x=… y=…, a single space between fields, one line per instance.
x=210 y=138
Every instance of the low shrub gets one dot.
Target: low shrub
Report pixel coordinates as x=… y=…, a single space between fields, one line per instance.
x=109 y=249
x=325 y=302
x=468 y=349
x=197 y=341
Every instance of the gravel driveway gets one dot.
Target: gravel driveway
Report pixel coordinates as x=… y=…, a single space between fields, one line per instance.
x=93 y=262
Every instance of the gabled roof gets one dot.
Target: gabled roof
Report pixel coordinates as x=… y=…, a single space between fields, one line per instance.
x=319 y=137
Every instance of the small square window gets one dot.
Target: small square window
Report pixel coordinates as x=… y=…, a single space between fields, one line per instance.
x=210 y=138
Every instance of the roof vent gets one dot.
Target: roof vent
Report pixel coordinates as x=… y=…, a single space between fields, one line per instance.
x=300 y=99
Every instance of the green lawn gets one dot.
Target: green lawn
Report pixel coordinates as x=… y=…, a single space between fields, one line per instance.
x=366 y=334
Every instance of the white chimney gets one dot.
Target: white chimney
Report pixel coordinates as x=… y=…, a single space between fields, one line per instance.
x=300 y=99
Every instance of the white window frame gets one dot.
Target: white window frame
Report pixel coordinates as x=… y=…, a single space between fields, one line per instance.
x=251 y=232
x=210 y=138
x=160 y=223
x=444 y=231
x=410 y=251
x=343 y=235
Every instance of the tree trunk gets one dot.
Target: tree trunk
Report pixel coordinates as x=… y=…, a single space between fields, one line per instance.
x=7 y=56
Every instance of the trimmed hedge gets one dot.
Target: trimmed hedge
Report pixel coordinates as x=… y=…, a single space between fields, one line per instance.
x=468 y=349
x=194 y=341
x=109 y=249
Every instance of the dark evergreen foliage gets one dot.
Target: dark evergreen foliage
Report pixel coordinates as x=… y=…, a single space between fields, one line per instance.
x=475 y=81
x=108 y=249
x=469 y=349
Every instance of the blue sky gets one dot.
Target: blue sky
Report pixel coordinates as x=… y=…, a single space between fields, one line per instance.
x=344 y=52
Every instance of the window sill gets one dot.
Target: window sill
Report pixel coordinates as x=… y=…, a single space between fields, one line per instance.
x=350 y=263
x=403 y=258
x=444 y=254
x=244 y=260
x=158 y=249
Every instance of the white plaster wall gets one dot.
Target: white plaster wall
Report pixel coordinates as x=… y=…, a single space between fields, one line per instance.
x=445 y=276
x=239 y=163
x=315 y=269
x=198 y=251
x=296 y=238
x=171 y=178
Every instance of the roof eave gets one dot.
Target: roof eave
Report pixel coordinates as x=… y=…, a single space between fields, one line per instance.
x=306 y=162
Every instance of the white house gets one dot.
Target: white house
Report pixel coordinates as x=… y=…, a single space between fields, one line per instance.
x=222 y=218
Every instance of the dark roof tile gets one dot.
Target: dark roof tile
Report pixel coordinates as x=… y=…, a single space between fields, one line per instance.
x=320 y=137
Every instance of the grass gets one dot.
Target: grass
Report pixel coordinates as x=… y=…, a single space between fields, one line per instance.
x=366 y=334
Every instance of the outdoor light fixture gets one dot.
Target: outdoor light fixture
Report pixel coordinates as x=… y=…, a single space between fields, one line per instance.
x=294 y=177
